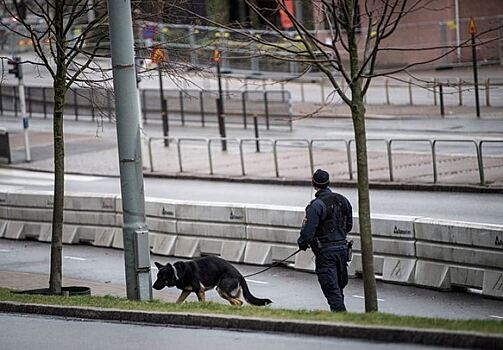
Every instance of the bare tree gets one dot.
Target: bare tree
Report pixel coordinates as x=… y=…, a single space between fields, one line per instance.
x=348 y=51
x=66 y=38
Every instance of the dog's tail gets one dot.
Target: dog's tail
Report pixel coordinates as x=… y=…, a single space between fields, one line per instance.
x=250 y=298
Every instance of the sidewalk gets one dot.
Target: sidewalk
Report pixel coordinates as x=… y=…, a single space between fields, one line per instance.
x=411 y=171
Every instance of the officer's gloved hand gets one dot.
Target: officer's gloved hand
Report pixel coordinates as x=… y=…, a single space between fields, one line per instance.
x=303 y=246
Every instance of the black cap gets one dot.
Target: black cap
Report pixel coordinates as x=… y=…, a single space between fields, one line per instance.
x=321 y=179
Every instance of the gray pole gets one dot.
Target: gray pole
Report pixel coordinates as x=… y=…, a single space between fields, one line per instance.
x=135 y=231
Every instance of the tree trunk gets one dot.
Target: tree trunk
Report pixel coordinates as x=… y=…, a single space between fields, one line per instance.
x=358 y=115
x=55 y=279
x=369 y=283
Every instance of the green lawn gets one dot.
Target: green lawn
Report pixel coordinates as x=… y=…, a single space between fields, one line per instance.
x=382 y=319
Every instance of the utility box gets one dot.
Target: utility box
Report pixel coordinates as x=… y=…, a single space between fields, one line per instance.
x=4 y=145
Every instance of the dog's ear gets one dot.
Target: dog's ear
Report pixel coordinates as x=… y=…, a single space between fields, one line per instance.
x=159 y=265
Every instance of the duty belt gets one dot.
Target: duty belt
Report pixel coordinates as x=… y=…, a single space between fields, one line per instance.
x=333 y=243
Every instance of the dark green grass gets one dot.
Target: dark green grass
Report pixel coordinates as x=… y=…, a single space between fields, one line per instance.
x=381 y=319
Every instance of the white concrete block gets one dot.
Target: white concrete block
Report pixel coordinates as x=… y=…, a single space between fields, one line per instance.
x=104 y=236
x=3 y=198
x=118 y=241
x=3 y=227
x=394 y=247
x=14 y=230
x=160 y=208
x=469 y=277
x=432 y=274
x=233 y=251
x=399 y=270
x=210 y=246
x=269 y=215
x=208 y=229
x=30 y=214
x=211 y=212
x=477 y=257
x=457 y=232
x=89 y=218
x=355 y=265
x=258 y=253
x=280 y=252
x=163 y=244
x=493 y=283
x=161 y=225
x=46 y=233
x=70 y=235
x=102 y=202
x=30 y=199
x=304 y=260
x=272 y=234
x=395 y=226
x=187 y=247
x=4 y=213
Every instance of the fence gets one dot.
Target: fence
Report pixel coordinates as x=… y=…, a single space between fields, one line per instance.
x=431 y=92
x=345 y=149
x=273 y=108
x=408 y=250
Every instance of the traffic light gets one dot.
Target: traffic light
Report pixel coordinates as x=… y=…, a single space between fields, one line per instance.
x=16 y=67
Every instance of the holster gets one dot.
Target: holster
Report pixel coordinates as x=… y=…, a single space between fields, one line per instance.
x=350 y=250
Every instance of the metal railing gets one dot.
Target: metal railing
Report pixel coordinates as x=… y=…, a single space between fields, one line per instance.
x=309 y=143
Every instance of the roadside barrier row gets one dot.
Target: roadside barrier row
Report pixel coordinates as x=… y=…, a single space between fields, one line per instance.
x=408 y=250
x=272 y=107
x=346 y=145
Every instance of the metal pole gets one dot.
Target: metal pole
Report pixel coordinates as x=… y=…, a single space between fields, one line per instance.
x=488 y=87
x=255 y=126
x=220 y=109
x=475 y=76
x=441 y=96
x=22 y=102
x=458 y=35
x=164 y=109
x=135 y=231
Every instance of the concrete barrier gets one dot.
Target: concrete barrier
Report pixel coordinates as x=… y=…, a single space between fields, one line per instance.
x=409 y=250
x=394 y=248
x=272 y=233
x=468 y=255
x=88 y=218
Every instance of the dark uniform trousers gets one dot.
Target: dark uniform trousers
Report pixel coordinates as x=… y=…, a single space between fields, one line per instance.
x=332 y=272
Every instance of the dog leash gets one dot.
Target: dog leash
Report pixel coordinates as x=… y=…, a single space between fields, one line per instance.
x=273 y=265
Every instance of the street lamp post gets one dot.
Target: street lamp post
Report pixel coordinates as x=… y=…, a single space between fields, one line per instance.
x=158 y=56
x=217 y=57
x=472 y=29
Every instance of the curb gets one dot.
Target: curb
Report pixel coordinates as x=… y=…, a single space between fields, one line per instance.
x=375 y=185
x=322 y=329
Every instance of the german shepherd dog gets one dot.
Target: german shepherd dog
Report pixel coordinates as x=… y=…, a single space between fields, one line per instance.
x=203 y=274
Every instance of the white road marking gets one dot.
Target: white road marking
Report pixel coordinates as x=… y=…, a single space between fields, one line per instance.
x=74 y=258
x=45 y=175
x=495 y=316
x=4 y=250
x=9 y=188
x=257 y=282
x=25 y=182
x=362 y=297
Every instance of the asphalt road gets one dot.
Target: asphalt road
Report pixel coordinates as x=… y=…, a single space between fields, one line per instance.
x=287 y=288
x=21 y=332
x=469 y=207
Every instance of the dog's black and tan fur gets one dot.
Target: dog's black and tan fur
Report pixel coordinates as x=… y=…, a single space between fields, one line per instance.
x=203 y=274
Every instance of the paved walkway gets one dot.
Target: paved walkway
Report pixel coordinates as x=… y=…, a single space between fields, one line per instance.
x=85 y=153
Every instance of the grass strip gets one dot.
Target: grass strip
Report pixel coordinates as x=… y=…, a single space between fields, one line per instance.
x=377 y=318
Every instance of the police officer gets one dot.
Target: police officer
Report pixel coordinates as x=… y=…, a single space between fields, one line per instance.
x=328 y=220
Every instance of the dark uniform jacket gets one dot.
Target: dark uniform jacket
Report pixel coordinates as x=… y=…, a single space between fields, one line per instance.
x=316 y=213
